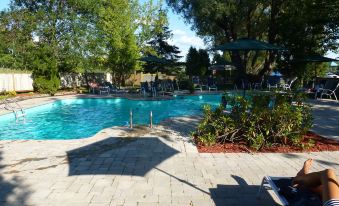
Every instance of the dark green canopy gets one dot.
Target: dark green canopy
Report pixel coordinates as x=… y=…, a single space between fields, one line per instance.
x=154 y=59
x=245 y=44
x=315 y=58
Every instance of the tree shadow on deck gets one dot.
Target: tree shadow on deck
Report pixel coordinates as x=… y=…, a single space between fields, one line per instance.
x=182 y=125
x=12 y=190
x=241 y=194
x=120 y=156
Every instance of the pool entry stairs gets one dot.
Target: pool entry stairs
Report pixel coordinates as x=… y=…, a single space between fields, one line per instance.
x=14 y=106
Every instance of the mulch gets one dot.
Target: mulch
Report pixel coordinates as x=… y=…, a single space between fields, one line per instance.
x=320 y=144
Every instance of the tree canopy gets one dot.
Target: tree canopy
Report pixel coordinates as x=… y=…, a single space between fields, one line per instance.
x=302 y=26
x=197 y=62
x=82 y=36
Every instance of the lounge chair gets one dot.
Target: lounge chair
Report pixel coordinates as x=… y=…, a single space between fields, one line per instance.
x=212 y=87
x=198 y=87
x=288 y=195
x=288 y=85
x=330 y=92
x=273 y=82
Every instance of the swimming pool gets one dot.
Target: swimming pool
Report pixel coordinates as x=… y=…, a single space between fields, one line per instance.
x=81 y=118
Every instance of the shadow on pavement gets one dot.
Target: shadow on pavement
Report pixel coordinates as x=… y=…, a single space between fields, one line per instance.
x=12 y=190
x=296 y=156
x=183 y=125
x=241 y=194
x=120 y=156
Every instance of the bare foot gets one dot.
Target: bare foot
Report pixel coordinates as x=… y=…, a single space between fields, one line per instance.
x=305 y=170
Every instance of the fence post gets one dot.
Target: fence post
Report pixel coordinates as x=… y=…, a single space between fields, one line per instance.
x=151 y=120
x=131 y=119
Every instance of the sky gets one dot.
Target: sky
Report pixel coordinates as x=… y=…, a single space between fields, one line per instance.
x=183 y=36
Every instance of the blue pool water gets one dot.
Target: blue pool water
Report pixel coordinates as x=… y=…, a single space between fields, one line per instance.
x=81 y=118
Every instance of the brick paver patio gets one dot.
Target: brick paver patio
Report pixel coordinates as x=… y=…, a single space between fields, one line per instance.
x=140 y=167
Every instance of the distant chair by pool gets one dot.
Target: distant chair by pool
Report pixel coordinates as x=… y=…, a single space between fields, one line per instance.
x=330 y=92
x=287 y=86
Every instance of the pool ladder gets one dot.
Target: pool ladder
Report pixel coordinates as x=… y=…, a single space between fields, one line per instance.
x=15 y=107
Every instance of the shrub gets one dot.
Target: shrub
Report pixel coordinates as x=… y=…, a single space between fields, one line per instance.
x=46 y=85
x=259 y=120
x=11 y=93
x=191 y=87
x=45 y=70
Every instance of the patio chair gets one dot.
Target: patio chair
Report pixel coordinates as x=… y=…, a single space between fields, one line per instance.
x=104 y=90
x=272 y=82
x=288 y=195
x=330 y=92
x=144 y=88
x=259 y=85
x=198 y=87
x=288 y=85
x=212 y=87
x=112 y=88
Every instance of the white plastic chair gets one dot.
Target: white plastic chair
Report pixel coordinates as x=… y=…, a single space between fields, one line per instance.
x=212 y=87
x=288 y=86
x=329 y=92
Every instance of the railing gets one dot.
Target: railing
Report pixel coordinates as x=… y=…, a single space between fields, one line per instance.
x=131 y=119
x=15 y=107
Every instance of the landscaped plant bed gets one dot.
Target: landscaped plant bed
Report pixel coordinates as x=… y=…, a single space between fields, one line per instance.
x=320 y=144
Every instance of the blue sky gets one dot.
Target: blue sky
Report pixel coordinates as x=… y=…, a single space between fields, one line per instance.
x=183 y=36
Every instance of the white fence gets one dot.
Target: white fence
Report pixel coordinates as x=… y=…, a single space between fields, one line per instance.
x=16 y=82
x=24 y=82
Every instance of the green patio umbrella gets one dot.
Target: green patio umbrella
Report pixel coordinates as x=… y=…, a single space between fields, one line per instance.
x=153 y=63
x=314 y=58
x=245 y=44
x=154 y=59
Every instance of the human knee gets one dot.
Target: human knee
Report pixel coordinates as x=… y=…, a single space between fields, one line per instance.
x=329 y=172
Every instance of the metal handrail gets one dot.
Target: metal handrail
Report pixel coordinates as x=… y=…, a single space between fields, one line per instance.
x=14 y=108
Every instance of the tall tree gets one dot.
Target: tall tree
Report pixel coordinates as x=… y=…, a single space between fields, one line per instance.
x=117 y=29
x=274 y=21
x=197 y=62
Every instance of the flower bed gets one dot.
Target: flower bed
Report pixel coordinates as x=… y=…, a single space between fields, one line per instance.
x=320 y=144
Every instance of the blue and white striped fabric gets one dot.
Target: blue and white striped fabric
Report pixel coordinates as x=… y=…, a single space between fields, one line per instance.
x=332 y=202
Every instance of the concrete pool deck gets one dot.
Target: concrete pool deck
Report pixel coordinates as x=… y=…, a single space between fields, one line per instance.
x=126 y=167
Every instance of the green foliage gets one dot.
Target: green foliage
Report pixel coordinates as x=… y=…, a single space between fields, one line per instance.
x=46 y=85
x=301 y=26
x=5 y=95
x=191 y=88
x=260 y=120
x=45 y=71
x=197 y=62
x=117 y=30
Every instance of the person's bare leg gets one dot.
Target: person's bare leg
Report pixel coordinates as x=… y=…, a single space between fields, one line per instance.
x=325 y=178
x=330 y=185
x=305 y=170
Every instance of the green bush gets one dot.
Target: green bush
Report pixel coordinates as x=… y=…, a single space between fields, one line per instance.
x=259 y=120
x=46 y=85
x=191 y=87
